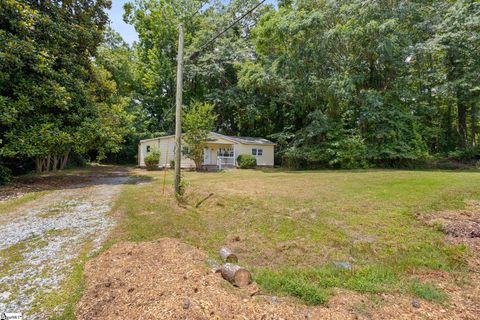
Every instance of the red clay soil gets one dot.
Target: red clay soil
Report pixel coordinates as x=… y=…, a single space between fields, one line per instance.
x=167 y=279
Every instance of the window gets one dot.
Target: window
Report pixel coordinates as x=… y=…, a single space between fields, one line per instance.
x=148 y=149
x=257 y=152
x=225 y=152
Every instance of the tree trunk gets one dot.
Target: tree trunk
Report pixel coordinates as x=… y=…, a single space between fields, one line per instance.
x=47 y=162
x=450 y=139
x=55 y=163
x=64 y=161
x=236 y=275
x=227 y=255
x=39 y=164
x=198 y=165
x=462 y=122
x=473 y=125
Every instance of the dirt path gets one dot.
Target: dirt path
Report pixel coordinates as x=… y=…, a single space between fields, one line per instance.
x=41 y=240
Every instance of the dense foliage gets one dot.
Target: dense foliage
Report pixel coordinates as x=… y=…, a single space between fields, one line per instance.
x=5 y=175
x=344 y=84
x=55 y=99
x=341 y=84
x=246 y=161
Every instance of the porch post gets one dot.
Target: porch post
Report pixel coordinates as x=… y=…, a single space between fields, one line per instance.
x=234 y=156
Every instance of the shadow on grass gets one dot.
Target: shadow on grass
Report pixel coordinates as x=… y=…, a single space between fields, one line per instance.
x=370 y=170
x=71 y=179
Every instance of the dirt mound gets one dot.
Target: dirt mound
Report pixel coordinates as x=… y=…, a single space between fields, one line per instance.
x=167 y=279
x=459 y=223
x=461 y=226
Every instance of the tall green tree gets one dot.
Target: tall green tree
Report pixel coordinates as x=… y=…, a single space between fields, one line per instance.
x=198 y=121
x=54 y=100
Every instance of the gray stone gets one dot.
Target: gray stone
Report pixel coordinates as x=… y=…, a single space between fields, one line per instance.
x=343 y=265
x=186 y=303
x=415 y=303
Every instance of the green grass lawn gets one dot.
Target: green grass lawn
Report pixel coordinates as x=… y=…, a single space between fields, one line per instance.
x=293 y=226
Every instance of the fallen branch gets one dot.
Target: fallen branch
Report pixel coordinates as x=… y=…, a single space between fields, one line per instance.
x=203 y=200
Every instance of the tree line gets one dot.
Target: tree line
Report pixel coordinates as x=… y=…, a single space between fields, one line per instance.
x=341 y=84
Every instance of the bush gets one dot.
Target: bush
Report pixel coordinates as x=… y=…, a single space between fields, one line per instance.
x=172 y=164
x=5 y=175
x=468 y=154
x=348 y=153
x=152 y=160
x=246 y=161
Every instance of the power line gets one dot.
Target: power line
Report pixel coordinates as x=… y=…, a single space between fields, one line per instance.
x=198 y=10
x=197 y=53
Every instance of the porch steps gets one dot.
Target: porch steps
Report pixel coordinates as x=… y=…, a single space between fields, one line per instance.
x=215 y=167
x=210 y=167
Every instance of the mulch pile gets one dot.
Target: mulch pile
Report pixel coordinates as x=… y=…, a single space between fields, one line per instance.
x=461 y=227
x=167 y=279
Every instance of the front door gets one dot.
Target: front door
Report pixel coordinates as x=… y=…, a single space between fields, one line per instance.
x=206 y=156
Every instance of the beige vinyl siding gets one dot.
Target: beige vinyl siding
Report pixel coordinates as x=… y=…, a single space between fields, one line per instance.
x=153 y=144
x=166 y=147
x=266 y=159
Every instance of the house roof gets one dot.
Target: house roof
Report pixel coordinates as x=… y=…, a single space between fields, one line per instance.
x=245 y=140
x=236 y=139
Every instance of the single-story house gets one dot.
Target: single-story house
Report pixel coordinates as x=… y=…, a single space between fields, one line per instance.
x=221 y=151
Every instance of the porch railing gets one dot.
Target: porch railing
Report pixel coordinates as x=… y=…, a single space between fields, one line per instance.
x=222 y=161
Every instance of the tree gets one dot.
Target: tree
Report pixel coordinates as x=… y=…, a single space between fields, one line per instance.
x=54 y=98
x=198 y=121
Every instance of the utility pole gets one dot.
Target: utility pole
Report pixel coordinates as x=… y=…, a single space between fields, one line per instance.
x=178 y=110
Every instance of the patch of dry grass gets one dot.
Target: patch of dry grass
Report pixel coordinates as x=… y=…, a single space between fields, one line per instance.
x=295 y=224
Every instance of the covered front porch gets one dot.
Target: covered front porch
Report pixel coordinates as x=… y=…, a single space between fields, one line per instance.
x=218 y=156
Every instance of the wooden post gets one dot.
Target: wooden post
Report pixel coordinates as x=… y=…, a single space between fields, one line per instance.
x=178 y=110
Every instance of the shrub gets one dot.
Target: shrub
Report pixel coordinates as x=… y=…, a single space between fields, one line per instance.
x=152 y=160
x=246 y=161
x=5 y=175
x=467 y=154
x=349 y=153
x=172 y=164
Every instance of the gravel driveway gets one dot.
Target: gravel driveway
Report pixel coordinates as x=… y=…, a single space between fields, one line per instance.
x=41 y=240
